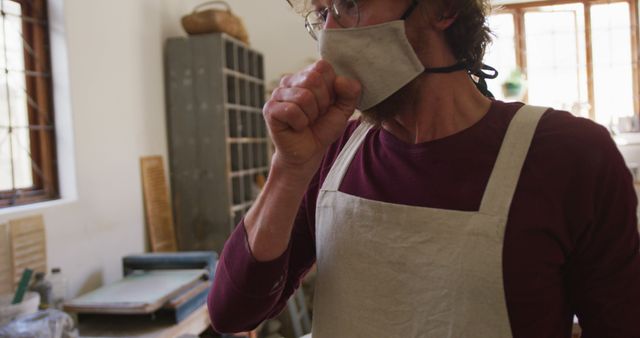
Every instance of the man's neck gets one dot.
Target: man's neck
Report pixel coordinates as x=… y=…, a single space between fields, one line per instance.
x=434 y=106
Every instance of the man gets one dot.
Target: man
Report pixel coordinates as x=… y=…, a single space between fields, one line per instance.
x=441 y=212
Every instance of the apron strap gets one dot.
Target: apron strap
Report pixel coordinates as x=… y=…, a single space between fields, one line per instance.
x=340 y=166
x=513 y=152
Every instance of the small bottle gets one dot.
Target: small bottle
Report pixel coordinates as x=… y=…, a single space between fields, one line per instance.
x=59 y=288
x=42 y=287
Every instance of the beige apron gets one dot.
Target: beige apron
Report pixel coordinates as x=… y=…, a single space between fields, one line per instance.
x=389 y=270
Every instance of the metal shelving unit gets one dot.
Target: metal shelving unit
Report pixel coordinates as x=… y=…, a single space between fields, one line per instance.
x=218 y=141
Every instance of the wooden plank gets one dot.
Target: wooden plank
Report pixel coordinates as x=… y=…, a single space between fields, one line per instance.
x=31 y=85
x=6 y=270
x=44 y=101
x=28 y=246
x=193 y=325
x=138 y=293
x=186 y=296
x=159 y=215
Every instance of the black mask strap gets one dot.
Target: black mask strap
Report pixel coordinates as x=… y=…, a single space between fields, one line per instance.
x=409 y=10
x=482 y=76
x=445 y=70
x=482 y=79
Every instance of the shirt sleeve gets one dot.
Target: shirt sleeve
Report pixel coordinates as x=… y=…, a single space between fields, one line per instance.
x=604 y=274
x=246 y=292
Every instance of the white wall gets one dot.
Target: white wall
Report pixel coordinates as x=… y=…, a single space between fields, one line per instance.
x=108 y=60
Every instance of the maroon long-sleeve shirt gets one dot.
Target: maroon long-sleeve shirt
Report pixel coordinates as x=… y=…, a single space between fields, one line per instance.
x=571 y=243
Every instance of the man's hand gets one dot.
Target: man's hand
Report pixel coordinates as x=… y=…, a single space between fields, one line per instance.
x=307 y=113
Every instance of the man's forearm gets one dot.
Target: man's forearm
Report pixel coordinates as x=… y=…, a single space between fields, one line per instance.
x=271 y=219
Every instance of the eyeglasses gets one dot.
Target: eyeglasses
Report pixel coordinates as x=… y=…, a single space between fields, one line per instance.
x=344 y=12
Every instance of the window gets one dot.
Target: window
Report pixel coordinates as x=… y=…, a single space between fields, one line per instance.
x=578 y=56
x=27 y=140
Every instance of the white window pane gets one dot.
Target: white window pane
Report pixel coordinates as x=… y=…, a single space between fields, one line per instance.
x=5 y=161
x=14 y=43
x=18 y=100
x=501 y=54
x=13 y=32
x=15 y=158
x=11 y=7
x=612 y=64
x=556 y=66
x=21 y=158
x=4 y=108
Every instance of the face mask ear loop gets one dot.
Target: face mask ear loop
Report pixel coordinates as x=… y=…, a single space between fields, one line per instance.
x=410 y=10
x=485 y=75
x=483 y=88
x=482 y=83
x=445 y=70
x=482 y=76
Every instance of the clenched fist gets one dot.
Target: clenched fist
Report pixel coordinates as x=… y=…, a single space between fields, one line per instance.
x=307 y=113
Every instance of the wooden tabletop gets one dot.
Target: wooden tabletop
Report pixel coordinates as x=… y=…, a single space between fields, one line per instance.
x=195 y=324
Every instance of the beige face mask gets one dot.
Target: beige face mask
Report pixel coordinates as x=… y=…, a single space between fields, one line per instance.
x=379 y=56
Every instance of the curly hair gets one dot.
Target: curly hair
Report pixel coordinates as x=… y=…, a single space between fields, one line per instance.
x=469 y=35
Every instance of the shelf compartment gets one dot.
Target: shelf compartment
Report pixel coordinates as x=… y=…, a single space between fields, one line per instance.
x=248 y=188
x=260 y=67
x=236 y=157
x=231 y=90
x=256 y=151
x=237 y=190
x=255 y=131
x=254 y=100
x=229 y=51
x=234 y=126
x=243 y=91
x=264 y=156
x=261 y=96
x=247 y=159
x=245 y=124
x=253 y=67
x=241 y=57
x=262 y=127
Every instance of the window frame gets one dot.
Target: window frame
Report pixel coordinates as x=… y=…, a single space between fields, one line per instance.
x=39 y=89
x=518 y=11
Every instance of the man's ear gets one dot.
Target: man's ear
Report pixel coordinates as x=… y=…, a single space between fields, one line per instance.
x=445 y=20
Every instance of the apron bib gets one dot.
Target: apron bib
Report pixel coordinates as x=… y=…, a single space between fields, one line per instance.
x=390 y=270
